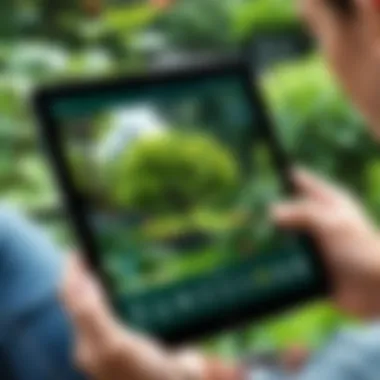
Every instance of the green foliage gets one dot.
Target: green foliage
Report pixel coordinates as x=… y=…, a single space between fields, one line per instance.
x=113 y=28
x=320 y=128
x=197 y=24
x=372 y=186
x=7 y=17
x=127 y=19
x=273 y=16
x=147 y=177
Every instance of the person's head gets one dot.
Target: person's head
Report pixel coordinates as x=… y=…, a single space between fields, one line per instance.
x=348 y=32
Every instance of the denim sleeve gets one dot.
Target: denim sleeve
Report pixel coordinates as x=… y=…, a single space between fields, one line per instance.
x=30 y=268
x=36 y=339
x=352 y=355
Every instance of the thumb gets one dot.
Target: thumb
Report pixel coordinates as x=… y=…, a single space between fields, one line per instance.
x=298 y=215
x=86 y=304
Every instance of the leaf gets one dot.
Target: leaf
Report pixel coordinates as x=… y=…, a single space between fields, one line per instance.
x=127 y=19
x=265 y=16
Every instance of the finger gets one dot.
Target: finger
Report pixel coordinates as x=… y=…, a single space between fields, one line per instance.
x=75 y=273
x=91 y=316
x=86 y=304
x=71 y=273
x=314 y=187
x=297 y=215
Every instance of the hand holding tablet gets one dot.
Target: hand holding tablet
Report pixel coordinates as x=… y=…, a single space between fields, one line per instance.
x=168 y=178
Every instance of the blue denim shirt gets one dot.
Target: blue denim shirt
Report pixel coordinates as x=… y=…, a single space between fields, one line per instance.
x=354 y=354
x=30 y=268
x=36 y=341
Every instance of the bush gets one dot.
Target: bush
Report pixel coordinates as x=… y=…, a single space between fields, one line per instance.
x=172 y=173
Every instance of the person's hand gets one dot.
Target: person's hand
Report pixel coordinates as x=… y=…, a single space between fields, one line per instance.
x=348 y=240
x=104 y=349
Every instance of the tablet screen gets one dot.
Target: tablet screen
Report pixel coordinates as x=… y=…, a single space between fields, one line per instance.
x=178 y=179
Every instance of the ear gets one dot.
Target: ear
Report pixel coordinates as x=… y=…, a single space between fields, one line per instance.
x=369 y=14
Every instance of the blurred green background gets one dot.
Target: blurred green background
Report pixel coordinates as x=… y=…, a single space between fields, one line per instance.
x=43 y=41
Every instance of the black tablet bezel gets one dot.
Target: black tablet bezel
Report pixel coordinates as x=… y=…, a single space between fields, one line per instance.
x=75 y=205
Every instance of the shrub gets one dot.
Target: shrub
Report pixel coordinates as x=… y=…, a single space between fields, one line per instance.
x=172 y=173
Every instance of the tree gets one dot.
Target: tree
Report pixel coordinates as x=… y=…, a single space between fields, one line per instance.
x=172 y=173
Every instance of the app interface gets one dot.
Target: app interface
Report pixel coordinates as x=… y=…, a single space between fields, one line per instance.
x=178 y=182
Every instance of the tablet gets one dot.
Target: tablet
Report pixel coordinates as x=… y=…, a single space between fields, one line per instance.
x=168 y=178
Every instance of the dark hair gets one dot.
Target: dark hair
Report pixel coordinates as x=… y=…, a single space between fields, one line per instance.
x=345 y=7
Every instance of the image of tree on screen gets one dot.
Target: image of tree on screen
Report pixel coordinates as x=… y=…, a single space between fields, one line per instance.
x=171 y=200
